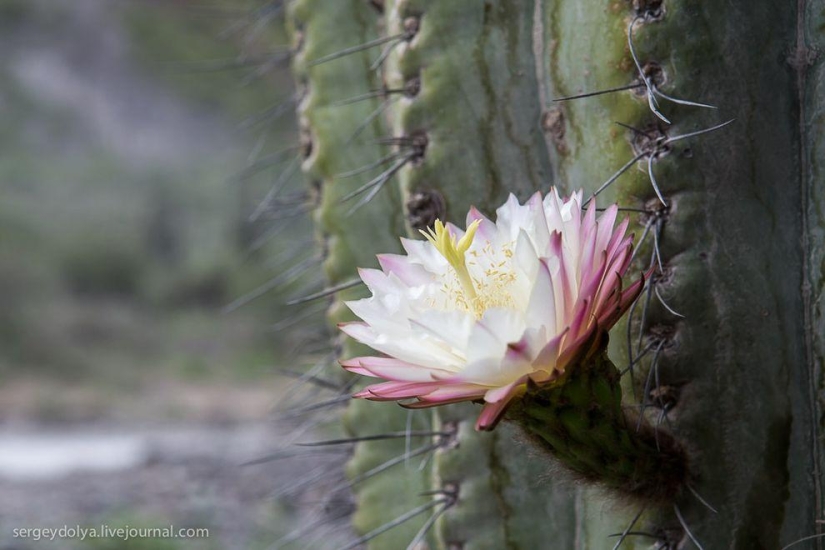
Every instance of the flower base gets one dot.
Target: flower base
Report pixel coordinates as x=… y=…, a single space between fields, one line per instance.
x=581 y=423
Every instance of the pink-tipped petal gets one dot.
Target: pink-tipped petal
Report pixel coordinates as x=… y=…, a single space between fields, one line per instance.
x=373 y=278
x=454 y=230
x=393 y=369
x=486 y=229
x=409 y=273
x=504 y=393
x=605 y=226
x=547 y=358
x=401 y=390
x=618 y=238
x=430 y=404
x=493 y=411
x=454 y=393
x=541 y=309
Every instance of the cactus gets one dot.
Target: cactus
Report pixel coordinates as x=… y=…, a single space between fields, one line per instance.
x=321 y=27
x=725 y=343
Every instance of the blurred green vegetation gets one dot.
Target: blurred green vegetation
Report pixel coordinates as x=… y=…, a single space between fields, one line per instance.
x=114 y=271
x=227 y=55
x=116 y=265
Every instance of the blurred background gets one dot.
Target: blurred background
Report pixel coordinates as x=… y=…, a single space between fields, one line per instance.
x=143 y=275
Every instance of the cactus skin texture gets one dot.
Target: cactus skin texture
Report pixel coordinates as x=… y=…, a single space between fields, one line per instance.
x=740 y=243
x=603 y=446
x=734 y=244
x=318 y=28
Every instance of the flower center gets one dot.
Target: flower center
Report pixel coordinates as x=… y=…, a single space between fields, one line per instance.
x=473 y=295
x=454 y=252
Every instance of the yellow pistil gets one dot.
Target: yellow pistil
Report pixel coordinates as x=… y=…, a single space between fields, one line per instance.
x=454 y=252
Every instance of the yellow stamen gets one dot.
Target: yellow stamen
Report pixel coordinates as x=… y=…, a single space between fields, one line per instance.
x=454 y=251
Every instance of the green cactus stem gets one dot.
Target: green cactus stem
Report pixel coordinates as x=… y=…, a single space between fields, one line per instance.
x=735 y=243
x=581 y=422
x=351 y=239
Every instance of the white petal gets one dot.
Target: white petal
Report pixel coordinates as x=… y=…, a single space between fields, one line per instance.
x=451 y=327
x=409 y=273
x=426 y=255
x=417 y=348
x=486 y=229
x=488 y=348
x=541 y=308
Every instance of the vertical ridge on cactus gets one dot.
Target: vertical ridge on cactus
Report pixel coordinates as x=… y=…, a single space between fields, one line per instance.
x=319 y=28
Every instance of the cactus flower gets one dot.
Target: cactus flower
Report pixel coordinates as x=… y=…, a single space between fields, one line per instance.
x=476 y=315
